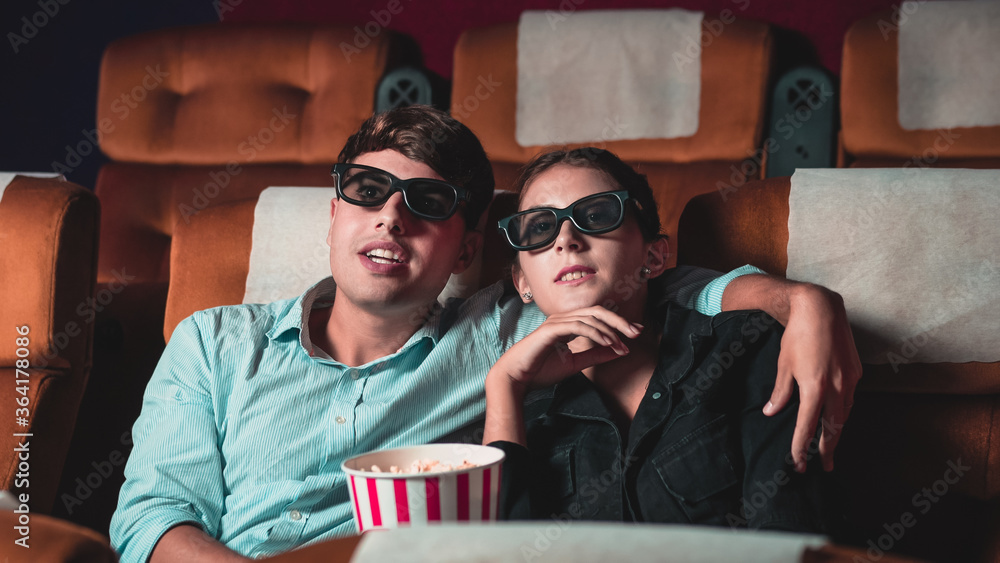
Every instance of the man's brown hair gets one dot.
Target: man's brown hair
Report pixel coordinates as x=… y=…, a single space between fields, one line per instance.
x=432 y=137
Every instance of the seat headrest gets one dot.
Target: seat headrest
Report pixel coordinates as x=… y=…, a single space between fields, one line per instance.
x=730 y=119
x=655 y=96
x=870 y=127
x=216 y=93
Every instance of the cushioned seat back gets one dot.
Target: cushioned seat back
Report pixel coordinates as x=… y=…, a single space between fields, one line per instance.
x=208 y=270
x=48 y=256
x=142 y=202
x=909 y=425
x=212 y=113
x=735 y=66
x=871 y=134
x=751 y=227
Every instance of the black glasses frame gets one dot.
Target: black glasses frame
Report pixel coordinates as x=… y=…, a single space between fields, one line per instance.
x=397 y=185
x=562 y=215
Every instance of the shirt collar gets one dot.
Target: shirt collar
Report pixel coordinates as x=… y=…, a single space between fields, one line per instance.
x=297 y=317
x=323 y=293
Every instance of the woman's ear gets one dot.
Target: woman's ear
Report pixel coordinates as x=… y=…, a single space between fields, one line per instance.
x=657 y=256
x=520 y=282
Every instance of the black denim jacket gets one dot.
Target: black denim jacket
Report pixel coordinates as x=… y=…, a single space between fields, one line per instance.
x=699 y=449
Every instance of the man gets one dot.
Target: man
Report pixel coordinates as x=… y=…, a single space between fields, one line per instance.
x=253 y=408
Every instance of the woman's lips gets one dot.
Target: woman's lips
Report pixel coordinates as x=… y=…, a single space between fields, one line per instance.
x=574 y=275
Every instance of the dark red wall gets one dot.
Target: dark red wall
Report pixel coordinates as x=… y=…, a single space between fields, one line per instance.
x=436 y=24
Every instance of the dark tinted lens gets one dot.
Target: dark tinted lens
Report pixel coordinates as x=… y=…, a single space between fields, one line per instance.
x=598 y=213
x=432 y=199
x=365 y=186
x=531 y=228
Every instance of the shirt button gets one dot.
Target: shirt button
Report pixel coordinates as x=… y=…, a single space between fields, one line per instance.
x=340 y=420
x=656 y=395
x=295 y=515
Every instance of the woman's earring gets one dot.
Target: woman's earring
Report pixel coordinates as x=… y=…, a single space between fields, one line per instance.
x=527 y=295
x=645 y=271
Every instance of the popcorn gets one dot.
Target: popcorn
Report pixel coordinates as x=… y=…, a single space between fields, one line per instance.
x=425 y=466
x=447 y=483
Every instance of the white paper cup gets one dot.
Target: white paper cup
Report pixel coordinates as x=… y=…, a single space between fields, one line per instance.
x=392 y=500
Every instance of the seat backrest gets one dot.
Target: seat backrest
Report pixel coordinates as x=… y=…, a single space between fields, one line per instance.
x=48 y=257
x=750 y=226
x=200 y=115
x=908 y=422
x=735 y=69
x=871 y=134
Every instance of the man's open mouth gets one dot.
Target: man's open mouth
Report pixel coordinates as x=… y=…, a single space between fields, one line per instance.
x=383 y=256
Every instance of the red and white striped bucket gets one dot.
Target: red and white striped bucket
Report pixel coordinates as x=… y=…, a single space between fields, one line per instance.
x=392 y=500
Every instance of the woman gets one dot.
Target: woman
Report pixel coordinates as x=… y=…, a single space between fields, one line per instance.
x=655 y=413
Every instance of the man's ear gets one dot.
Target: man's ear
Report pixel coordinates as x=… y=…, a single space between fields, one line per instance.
x=329 y=231
x=520 y=281
x=471 y=243
x=657 y=256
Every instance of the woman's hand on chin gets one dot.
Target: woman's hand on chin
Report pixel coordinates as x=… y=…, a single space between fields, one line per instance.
x=546 y=356
x=543 y=358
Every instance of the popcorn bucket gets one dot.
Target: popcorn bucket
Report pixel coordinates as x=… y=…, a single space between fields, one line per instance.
x=385 y=499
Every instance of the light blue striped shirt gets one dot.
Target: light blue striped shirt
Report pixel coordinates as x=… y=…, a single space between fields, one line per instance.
x=243 y=431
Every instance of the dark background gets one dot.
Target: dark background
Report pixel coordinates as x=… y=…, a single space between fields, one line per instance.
x=49 y=87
